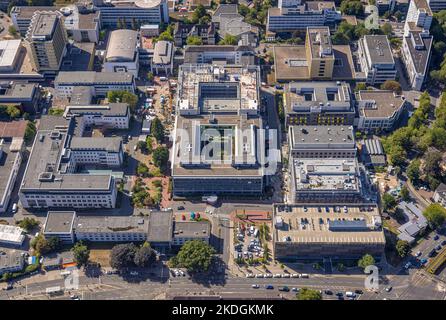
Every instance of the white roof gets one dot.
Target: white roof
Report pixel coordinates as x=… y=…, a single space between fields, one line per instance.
x=8 y=52
x=11 y=234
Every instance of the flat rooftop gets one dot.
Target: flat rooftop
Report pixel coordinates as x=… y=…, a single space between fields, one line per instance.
x=92 y=77
x=290 y=63
x=8 y=52
x=419 y=49
x=322 y=136
x=320 y=42
x=18 y=91
x=11 y=129
x=339 y=224
x=191 y=229
x=11 y=234
x=218 y=88
x=317 y=96
x=114 y=109
x=59 y=222
x=106 y=224
x=43 y=25
x=378 y=49
x=7 y=159
x=160 y=226
x=47 y=162
x=239 y=152
x=378 y=103
x=108 y=144
x=326 y=174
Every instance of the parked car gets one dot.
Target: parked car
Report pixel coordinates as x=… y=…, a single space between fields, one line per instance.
x=295 y=289
x=328 y=292
x=259 y=275
x=436 y=237
x=277 y=275
x=180 y=208
x=284 y=289
x=295 y=275
x=388 y=289
x=358 y=291
x=286 y=275
x=438 y=248
x=269 y=287
x=255 y=286
x=339 y=294
x=443 y=243
x=419 y=253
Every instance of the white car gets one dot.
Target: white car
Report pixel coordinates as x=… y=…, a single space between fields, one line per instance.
x=268 y=275
x=259 y=275
x=277 y=275
x=255 y=286
x=249 y=275
x=285 y=275
x=295 y=275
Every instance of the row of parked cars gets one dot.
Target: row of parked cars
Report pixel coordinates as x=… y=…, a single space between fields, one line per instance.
x=277 y=275
x=178 y=273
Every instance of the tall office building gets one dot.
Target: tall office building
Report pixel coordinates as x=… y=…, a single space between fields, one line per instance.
x=47 y=41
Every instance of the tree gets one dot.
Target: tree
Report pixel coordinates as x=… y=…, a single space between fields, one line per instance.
x=198 y=13
x=352 y=7
x=160 y=157
x=309 y=294
x=157 y=130
x=435 y=215
x=12 y=31
x=195 y=256
x=365 y=261
x=141 y=146
x=123 y=96
x=404 y=193
x=43 y=246
x=149 y=145
x=194 y=41
x=144 y=256
x=388 y=202
x=81 y=253
x=122 y=256
x=387 y=29
x=413 y=171
x=13 y=112
x=142 y=170
x=403 y=248
x=392 y=85
x=30 y=131
x=360 y=86
x=28 y=224
x=228 y=40
x=150 y=76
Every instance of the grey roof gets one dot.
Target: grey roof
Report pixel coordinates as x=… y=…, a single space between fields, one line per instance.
x=109 y=144
x=117 y=224
x=441 y=188
x=43 y=25
x=163 y=53
x=114 y=109
x=160 y=226
x=59 y=222
x=191 y=229
x=416 y=220
x=122 y=46
x=11 y=260
x=81 y=95
x=7 y=159
x=18 y=92
x=419 y=49
x=92 y=77
x=374 y=147
x=47 y=156
x=378 y=47
x=323 y=135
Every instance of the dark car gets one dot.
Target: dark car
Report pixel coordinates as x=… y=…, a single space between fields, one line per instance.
x=284 y=288
x=359 y=291
x=436 y=237
x=269 y=287
x=339 y=294
x=328 y=292
x=180 y=208
x=443 y=243
x=9 y=286
x=438 y=248
x=432 y=253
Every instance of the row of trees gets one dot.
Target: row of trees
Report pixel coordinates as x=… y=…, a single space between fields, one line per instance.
x=9 y=112
x=129 y=255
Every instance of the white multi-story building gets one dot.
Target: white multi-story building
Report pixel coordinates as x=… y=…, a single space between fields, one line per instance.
x=379 y=110
x=100 y=82
x=376 y=59
x=128 y=12
x=11 y=262
x=419 y=15
x=162 y=61
x=190 y=230
x=102 y=151
x=11 y=235
x=10 y=160
x=50 y=178
x=310 y=14
x=416 y=56
x=113 y=115
x=122 y=53
x=59 y=224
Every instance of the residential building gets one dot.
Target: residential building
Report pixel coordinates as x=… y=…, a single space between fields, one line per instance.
x=372 y=153
x=122 y=53
x=376 y=59
x=318 y=59
x=26 y=96
x=10 y=160
x=51 y=179
x=308 y=142
x=13 y=261
x=113 y=115
x=128 y=12
x=162 y=61
x=230 y=22
x=416 y=52
x=299 y=17
x=325 y=180
x=190 y=230
x=213 y=54
x=318 y=103
x=11 y=235
x=440 y=194
x=379 y=110
x=419 y=15
x=214 y=101
x=100 y=82
x=327 y=230
x=10 y=54
x=59 y=224
x=206 y=32
x=47 y=40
